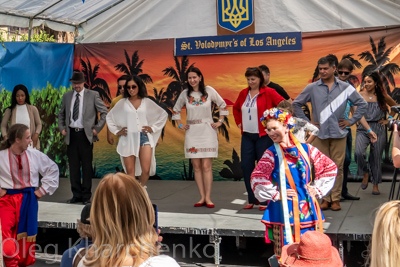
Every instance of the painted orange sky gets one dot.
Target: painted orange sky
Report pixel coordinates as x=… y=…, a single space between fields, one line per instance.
x=292 y=70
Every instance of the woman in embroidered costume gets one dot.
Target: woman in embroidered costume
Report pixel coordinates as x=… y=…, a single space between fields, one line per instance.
x=201 y=138
x=138 y=121
x=283 y=177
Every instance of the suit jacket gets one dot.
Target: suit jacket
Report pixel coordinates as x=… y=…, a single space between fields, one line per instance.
x=92 y=104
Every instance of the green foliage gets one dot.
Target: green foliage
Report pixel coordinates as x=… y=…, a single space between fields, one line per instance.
x=48 y=103
x=42 y=36
x=5 y=100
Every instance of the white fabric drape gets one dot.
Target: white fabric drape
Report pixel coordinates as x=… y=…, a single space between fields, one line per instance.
x=159 y=19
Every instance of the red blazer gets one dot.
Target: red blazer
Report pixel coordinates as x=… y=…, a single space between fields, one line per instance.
x=267 y=98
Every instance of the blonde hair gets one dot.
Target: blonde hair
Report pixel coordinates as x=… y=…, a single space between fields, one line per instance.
x=385 y=244
x=122 y=219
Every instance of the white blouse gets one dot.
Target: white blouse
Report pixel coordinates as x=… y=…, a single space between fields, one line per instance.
x=22 y=116
x=249 y=115
x=124 y=114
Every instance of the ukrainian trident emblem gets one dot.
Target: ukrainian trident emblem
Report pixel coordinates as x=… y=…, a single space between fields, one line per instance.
x=235 y=15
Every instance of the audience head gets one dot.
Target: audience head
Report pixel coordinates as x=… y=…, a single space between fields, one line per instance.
x=286 y=105
x=314 y=250
x=122 y=219
x=344 y=69
x=121 y=82
x=255 y=77
x=372 y=83
x=195 y=78
x=266 y=73
x=134 y=86
x=326 y=67
x=385 y=243
x=20 y=96
x=78 y=81
x=18 y=135
x=84 y=229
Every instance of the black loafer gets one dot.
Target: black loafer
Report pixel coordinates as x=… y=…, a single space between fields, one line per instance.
x=350 y=197
x=74 y=200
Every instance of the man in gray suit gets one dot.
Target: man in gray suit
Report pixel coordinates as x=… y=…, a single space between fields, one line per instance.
x=77 y=121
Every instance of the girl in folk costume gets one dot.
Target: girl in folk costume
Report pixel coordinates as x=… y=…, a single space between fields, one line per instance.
x=19 y=177
x=283 y=177
x=138 y=121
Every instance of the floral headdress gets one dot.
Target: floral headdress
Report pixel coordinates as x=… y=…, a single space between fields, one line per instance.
x=279 y=115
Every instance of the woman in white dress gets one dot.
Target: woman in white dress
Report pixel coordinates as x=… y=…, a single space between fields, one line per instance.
x=139 y=122
x=201 y=138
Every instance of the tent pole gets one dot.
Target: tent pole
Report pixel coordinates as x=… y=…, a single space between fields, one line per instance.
x=30 y=29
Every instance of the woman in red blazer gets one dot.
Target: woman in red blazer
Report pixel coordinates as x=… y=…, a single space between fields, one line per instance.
x=248 y=110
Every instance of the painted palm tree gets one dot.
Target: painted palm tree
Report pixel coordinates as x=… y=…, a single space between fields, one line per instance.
x=133 y=66
x=94 y=83
x=234 y=170
x=223 y=129
x=179 y=74
x=160 y=99
x=379 y=61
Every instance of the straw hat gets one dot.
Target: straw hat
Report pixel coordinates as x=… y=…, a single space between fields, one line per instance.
x=314 y=250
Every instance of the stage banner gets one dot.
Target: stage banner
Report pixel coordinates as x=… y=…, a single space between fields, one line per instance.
x=165 y=76
x=245 y=43
x=35 y=64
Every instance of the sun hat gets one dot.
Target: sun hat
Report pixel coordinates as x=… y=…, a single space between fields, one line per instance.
x=314 y=250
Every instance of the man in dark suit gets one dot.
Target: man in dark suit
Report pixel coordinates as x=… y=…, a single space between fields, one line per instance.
x=77 y=121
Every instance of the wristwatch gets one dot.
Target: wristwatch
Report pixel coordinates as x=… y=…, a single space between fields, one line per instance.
x=221 y=120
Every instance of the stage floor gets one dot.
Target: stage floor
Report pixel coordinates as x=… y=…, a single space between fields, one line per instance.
x=177 y=215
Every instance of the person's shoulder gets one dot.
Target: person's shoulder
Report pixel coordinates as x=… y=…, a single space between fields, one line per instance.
x=91 y=92
x=184 y=92
x=274 y=85
x=210 y=89
x=160 y=261
x=35 y=153
x=116 y=99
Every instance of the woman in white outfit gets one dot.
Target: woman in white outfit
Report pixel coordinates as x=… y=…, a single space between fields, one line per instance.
x=139 y=122
x=201 y=138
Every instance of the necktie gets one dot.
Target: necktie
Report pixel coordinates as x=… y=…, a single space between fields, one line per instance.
x=75 y=112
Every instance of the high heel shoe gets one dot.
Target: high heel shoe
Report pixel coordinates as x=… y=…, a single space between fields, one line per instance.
x=248 y=207
x=364 y=186
x=200 y=204
x=262 y=207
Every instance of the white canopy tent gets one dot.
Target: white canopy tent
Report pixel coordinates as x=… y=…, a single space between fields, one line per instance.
x=128 y=20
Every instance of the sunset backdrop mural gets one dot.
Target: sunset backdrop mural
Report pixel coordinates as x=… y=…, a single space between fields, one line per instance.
x=164 y=75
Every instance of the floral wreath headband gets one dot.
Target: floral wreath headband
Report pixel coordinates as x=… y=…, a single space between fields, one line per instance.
x=279 y=115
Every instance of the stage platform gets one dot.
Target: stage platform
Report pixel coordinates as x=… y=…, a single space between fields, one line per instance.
x=177 y=215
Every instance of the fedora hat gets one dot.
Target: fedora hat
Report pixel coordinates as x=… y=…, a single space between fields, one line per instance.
x=77 y=77
x=314 y=250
